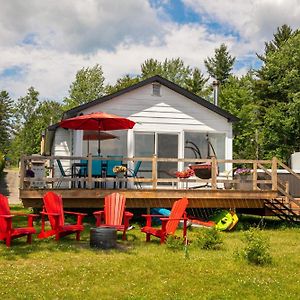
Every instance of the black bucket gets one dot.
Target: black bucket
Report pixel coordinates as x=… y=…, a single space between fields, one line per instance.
x=103 y=237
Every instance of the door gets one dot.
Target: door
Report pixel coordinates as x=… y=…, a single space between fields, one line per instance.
x=167 y=147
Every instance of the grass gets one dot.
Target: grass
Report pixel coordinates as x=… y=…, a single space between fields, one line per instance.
x=136 y=270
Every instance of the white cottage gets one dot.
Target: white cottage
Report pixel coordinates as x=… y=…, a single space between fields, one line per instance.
x=170 y=122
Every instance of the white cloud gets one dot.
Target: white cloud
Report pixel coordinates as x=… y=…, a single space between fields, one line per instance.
x=50 y=41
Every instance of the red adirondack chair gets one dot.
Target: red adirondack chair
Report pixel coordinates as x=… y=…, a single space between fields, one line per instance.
x=114 y=214
x=169 y=224
x=7 y=231
x=53 y=208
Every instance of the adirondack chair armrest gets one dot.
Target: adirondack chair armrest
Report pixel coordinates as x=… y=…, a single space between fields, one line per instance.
x=49 y=214
x=99 y=216
x=6 y=216
x=8 y=219
x=127 y=216
x=74 y=213
x=80 y=216
x=149 y=219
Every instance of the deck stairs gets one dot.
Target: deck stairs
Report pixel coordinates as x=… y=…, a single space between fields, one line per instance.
x=285 y=206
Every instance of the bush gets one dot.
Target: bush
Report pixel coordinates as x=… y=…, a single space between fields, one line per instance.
x=209 y=239
x=174 y=243
x=257 y=248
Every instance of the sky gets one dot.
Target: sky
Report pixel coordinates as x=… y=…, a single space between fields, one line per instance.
x=44 y=43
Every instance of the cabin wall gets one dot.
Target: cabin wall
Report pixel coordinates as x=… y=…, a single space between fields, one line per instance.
x=170 y=113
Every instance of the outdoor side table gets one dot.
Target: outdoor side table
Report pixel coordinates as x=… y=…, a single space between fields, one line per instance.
x=104 y=237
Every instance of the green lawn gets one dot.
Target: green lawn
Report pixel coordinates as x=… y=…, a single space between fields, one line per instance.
x=136 y=270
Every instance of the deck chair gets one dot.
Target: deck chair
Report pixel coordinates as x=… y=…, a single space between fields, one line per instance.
x=170 y=224
x=133 y=173
x=53 y=208
x=114 y=214
x=7 y=231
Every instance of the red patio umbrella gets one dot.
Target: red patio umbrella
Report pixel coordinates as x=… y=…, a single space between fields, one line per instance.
x=99 y=121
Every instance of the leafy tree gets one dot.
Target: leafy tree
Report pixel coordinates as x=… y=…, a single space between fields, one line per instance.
x=278 y=90
x=220 y=66
x=32 y=118
x=176 y=71
x=88 y=86
x=122 y=83
x=6 y=110
x=238 y=98
x=173 y=70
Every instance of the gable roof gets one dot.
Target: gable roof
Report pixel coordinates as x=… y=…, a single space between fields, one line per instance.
x=176 y=88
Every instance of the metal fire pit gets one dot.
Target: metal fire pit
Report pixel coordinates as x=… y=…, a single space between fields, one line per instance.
x=103 y=237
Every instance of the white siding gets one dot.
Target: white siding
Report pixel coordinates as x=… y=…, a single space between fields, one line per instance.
x=170 y=112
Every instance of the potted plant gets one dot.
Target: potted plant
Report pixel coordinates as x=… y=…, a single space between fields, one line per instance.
x=245 y=178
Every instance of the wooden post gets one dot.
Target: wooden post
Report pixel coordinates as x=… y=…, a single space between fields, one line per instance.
x=214 y=168
x=254 y=176
x=22 y=172
x=154 y=171
x=274 y=174
x=90 y=179
x=287 y=190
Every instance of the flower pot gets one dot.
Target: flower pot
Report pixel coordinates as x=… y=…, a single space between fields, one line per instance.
x=245 y=182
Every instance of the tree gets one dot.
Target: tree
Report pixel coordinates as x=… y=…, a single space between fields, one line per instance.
x=173 y=70
x=122 y=83
x=88 y=86
x=279 y=38
x=277 y=89
x=238 y=98
x=220 y=66
x=32 y=118
x=176 y=71
x=6 y=111
x=197 y=83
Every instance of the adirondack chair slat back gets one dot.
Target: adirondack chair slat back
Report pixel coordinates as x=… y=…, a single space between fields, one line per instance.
x=4 y=210
x=114 y=209
x=53 y=204
x=177 y=212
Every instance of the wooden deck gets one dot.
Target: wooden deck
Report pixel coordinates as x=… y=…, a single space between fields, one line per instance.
x=146 y=198
x=158 y=195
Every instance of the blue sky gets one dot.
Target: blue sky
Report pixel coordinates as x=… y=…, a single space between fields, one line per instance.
x=44 y=44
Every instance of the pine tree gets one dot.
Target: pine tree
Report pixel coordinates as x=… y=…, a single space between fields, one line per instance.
x=220 y=66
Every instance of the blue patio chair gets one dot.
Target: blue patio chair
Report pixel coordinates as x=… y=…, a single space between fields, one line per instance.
x=133 y=173
x=111 y=164
x=64 y=173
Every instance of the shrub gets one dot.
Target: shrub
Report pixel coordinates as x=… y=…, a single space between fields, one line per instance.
x=257 y=248
x=209 y=239
x=174 y=243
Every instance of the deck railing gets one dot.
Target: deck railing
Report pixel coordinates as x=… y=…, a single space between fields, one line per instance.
x=263 y=175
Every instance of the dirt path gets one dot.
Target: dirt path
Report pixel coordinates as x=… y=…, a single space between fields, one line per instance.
x=9 y=185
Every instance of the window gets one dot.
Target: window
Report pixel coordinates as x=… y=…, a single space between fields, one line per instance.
x=156 y=89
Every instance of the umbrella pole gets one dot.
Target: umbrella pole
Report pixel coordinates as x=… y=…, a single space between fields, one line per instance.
x=99 y=150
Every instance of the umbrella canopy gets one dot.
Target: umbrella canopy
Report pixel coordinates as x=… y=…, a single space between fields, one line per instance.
x=99 y=121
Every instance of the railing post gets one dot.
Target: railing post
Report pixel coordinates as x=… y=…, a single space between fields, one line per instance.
x=287 y=190
x=22 y=172
x=154 y=171
x=214 y=168
x=274 y=174
x=90 y=179
x=255 y=176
